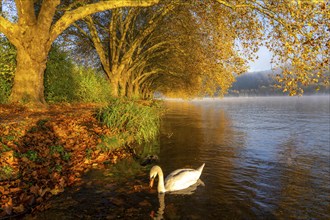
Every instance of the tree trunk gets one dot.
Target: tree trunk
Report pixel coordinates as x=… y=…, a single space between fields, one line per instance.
x=132 y=91
x=114 y=82
x=136 y=91
x=123 y=87
x=29 y=76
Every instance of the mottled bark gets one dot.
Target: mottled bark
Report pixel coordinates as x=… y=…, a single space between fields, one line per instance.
x=29 y=78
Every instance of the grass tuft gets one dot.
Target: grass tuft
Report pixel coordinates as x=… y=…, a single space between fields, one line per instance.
x=135 y=121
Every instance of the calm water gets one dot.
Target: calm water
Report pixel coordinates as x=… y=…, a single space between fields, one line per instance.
x=266 y=158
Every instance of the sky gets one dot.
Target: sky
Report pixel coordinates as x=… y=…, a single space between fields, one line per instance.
x=263 y=62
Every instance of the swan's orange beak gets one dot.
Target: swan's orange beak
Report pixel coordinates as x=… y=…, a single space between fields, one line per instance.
x=151 y=182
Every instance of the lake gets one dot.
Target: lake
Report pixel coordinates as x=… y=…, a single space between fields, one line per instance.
x=266 y=158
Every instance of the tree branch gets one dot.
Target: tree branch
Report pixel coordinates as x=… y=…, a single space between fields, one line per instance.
x=71 y=16
x=25 y=11
x=98 y=45
x=8 y=29
x=46 y=14
x=146 y=32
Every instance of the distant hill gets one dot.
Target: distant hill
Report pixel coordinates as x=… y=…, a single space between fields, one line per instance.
x=262 y=83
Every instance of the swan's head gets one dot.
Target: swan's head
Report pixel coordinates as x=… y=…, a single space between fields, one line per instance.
x=153 y=173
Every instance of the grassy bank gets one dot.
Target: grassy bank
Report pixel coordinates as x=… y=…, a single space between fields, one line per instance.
x=42 y=152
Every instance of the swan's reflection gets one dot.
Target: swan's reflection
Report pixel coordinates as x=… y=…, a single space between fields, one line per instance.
x=161 y=197
x=160 y=212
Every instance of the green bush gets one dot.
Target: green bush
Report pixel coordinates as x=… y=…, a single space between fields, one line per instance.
x=91 y=86
x=7 y=68
x=67 y=82
x=59 y=77
x=136 y=122
x=5 y=89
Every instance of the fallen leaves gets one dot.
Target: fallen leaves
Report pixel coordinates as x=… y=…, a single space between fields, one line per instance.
x=43 y=152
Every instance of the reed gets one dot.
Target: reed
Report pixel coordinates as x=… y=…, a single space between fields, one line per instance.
x=134 y=121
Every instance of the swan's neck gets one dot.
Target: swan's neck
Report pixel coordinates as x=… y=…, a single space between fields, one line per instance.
x=161 y=186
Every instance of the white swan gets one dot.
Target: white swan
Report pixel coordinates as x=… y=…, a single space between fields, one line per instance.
x=177 y=180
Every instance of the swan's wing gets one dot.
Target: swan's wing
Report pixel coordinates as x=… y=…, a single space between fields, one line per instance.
x=190 y=190
x=175 y=172
x=181 y=179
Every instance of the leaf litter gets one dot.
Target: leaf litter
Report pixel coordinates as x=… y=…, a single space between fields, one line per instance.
x=44 y=151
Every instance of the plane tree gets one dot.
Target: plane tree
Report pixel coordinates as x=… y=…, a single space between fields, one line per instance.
x=33 y=33
x=296 y=32
x=172 y=41
x=125 y=41
x=208 y=60
x=198 y=47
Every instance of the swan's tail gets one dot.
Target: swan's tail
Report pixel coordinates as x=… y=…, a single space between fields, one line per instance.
x=200 y=169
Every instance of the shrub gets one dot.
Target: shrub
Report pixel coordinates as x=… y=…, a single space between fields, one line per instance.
x=91 y=86
x=59 y=77
x=67 y=82
x=5 y=89
x=7 y=68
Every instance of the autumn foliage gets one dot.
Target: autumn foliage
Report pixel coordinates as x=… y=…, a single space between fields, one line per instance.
x=44 y=151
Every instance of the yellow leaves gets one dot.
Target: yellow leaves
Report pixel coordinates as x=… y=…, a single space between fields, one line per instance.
x=7 y=157
x=56 y=190
x=19 y=209
x=318 y=1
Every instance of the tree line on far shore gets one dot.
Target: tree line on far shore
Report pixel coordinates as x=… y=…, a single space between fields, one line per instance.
x=262 y=83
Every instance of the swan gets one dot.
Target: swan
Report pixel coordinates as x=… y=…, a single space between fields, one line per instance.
x=177 y=180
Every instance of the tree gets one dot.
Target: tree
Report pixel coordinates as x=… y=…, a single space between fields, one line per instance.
x=207 y=62
x=214 y=38
x=297 y=32
x=34 y=33
x=124 y=41
x=170 y=43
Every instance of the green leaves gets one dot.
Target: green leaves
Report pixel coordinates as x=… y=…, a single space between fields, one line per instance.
x=7 y=68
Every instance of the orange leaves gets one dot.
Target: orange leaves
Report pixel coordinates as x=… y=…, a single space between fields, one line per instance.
x=8 y=157
x=43 y=152
x=19 y=209
x=8 y=206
